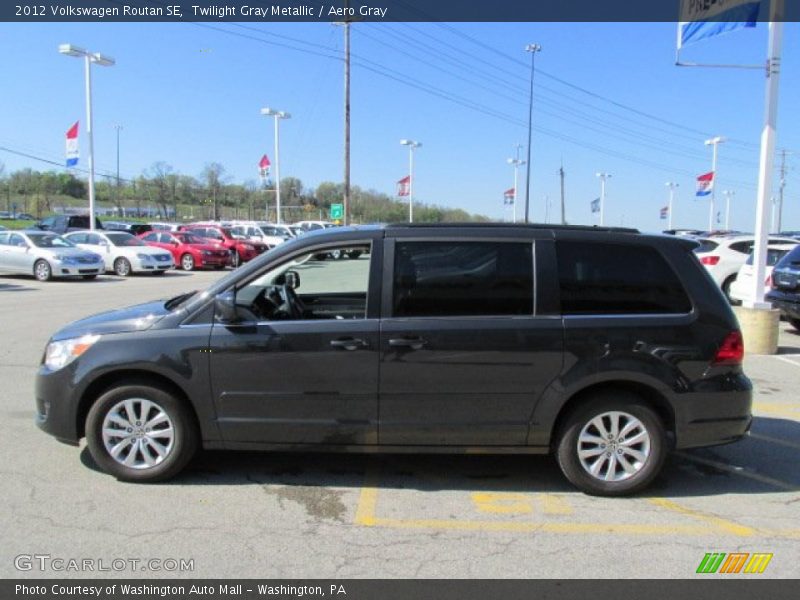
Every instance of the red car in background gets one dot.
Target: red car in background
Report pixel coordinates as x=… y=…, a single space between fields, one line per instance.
x=189 y=251
x=241 y=249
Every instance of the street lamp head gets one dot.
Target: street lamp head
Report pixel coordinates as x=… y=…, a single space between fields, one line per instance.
x=71 y=50
x=411 y=143
x=715 y=140
x=533 y=48
x=102 y=60
x=284 y=115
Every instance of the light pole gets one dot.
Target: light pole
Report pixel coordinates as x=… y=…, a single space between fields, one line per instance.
x=278 y=114
x=715 y=141
x=517 y=163
x=728 y=194
x=103 y=61
x=533 y=49
x=603 y=177
x=671 y=185
x=119 y=203
x=412 y=145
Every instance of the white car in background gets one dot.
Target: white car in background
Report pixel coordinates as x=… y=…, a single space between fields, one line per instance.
x=740 y=288
x=46 y=255
x=123 y=253
x=723 y=256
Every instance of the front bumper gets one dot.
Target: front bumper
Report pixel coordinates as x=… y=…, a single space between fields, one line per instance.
x=150 y=266
x=56 y=409
x=71 y=269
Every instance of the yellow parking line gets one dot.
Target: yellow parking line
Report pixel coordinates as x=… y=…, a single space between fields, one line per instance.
x=766 y=438
x=775 y=408
x=368 y=499
x=554 y=505
x=716 y=522
x=783 y=485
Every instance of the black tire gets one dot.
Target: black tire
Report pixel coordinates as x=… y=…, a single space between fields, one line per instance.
x=89 y=277
x=236 y=259
x=122 y=267
x=795 y=323
x=354 y=254
x=187 y=262
x=42 y=270
x=582 y=416
x=726 y=288
x=183 y=446
x=219 y=267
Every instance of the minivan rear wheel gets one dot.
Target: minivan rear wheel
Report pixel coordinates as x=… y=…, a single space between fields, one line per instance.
x=613 y=445
x=140 y=433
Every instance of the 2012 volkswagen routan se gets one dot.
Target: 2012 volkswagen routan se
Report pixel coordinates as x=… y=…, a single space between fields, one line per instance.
x=605 y=347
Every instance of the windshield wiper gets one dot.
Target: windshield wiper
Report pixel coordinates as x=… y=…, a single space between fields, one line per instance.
x=178 y=300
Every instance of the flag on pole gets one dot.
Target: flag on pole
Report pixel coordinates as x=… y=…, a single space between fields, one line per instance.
x=404 y=185
x=705 y=183
x=595 y=204
x=664 y=213
x=508 y=196
x=263 y=167
x=701 y=20
x=72 y=145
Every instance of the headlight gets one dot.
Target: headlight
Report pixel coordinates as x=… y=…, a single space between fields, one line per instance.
x=207 y=253
x=60 y=354
x=143 y=256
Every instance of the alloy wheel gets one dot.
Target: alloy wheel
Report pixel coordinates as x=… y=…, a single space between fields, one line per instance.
x=613 y=446
x=138 y=433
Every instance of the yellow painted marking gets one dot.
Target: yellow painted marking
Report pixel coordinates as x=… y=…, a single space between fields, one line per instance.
x=776 y=408
x=368 y=499
x=554 y=505
x=772 y=440
x=502 y=503
x=782 y=485
x=716 y=522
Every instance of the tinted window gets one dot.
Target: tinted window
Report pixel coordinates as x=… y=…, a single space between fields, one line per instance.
x=774 y=255
x=791 y=259
x=743 y=247
x=50 y=241
x=706 y=246
x=17 y=240
x=78 y=238
x=150 y=237
x=617 y=279
x=124 y=239
x=463 y=279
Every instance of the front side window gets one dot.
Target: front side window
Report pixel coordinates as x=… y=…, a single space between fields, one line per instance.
x=613 y=279
x=310 y=286
x=17 y=240
x=50 y=241
x=463 y=279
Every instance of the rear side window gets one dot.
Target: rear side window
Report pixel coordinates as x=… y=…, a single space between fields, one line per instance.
x=705 y=246
x=792 y=259
x=742 y=247
x=462 y=279
x=612 y=279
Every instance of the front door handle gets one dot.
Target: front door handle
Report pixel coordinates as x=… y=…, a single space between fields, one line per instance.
x=415 y=343
x=349 y=343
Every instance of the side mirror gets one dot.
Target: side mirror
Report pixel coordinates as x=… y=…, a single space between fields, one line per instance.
x=292 y=279
x=225 y=307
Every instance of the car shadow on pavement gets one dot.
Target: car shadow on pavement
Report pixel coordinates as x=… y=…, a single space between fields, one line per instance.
x=763 y=463
x=13 y=287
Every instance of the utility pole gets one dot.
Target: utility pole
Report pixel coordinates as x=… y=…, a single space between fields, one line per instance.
x=346 y=199
x=784 y=152
x=118 y=128
x=563 y=206
x=516 y=162
x=671 y=185
x=533 y=49
x=728 y=194
x=603 y=177
x=714 y=142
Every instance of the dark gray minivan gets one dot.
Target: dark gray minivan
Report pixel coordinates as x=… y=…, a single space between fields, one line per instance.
x=603 y=346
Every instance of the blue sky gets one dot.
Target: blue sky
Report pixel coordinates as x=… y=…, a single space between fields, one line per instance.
x=190 y=94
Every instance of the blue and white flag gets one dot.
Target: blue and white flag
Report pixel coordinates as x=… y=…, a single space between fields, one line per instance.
x=72 y=145
x=701 y=19
x=595 y=204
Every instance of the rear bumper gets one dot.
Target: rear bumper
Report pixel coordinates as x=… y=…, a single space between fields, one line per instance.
x=788 y=309
x=719 y=413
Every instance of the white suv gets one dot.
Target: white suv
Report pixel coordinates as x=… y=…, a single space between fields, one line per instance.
x=724 y=256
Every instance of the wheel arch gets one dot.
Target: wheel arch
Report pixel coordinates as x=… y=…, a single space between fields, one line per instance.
x=649 y=396
x=114 y=379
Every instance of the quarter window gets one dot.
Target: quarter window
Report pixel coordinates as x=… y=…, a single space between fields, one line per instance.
x=463 y=279
x=613 y=279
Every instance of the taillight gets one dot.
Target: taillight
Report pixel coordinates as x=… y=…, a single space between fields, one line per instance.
x=731 y=350
x=710 y=260
x=768 y=281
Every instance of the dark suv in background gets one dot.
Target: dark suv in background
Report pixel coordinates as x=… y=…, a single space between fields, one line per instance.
x=605 y=347
x=67 y=223
x=785 y=293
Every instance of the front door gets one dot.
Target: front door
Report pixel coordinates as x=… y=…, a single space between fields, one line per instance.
x=463 y=355
x=301 y=367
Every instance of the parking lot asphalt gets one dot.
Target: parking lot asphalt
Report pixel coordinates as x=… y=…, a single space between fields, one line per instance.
x=337 y=516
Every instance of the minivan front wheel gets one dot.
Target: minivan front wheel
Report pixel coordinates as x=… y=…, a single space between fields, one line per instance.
x=140 y=433
x=612 y=446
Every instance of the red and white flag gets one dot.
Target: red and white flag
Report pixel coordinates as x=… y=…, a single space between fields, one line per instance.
x=263 y=166
x=72 y=145
x=705 y=183
x=404 y=186
x=509 y=196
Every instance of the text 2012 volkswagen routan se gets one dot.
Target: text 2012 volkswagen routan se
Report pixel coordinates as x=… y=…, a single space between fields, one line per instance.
x=605 y=347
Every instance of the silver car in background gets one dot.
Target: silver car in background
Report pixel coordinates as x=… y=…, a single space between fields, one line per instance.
x=46 y=255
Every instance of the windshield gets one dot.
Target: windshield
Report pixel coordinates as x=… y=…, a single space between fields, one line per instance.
x=188 y=238
x=50 y=241
x=124 y=239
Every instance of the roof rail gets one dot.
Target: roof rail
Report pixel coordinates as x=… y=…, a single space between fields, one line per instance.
x=517 y=225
